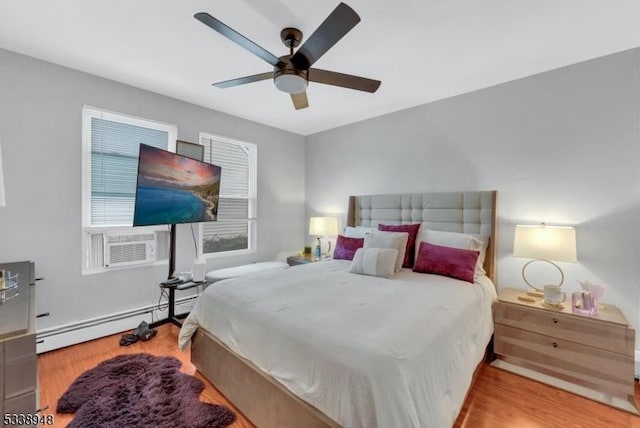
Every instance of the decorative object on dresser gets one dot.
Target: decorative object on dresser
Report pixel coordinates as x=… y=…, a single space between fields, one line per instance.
x=9 y=285
x=322 y=227
x=18 y=360
x=544 y=243
x=586 y=301
x=592 y=356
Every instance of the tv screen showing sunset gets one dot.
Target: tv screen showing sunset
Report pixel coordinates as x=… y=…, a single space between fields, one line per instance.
x=175 y=189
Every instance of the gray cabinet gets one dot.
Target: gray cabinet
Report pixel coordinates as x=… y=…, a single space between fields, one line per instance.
x=18 y=360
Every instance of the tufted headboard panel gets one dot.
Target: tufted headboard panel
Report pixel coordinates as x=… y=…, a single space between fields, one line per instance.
x=468 y=212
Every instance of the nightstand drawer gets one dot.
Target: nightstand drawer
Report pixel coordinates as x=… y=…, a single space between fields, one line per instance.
x=591 y=332
x=591 y=367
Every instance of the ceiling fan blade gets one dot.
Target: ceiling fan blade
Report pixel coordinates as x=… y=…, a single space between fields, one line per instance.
x=300 y=100
x=337 y=24
x=244 y=80
x=344 y=80
x=234 y=36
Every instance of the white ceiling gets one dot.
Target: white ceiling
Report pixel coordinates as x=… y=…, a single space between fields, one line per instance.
x=421 y=50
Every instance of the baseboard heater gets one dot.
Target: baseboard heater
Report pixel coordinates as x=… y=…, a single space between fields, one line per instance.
x=94 y=328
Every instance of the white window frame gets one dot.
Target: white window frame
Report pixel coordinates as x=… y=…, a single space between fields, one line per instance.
x=89 y=112
x=252 y=229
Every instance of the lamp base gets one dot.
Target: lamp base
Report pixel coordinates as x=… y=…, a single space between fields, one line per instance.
x=541 y=289
x=318 y=254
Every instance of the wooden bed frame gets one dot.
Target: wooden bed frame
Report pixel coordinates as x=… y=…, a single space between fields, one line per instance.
x=261 y=398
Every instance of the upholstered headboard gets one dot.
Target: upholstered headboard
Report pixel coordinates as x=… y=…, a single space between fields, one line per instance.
x=468 y=212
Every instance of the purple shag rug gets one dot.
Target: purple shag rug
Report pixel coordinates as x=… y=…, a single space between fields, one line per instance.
x=140 y=391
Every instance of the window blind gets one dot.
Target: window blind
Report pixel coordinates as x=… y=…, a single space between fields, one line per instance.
x=114 y=168
x=233 y=212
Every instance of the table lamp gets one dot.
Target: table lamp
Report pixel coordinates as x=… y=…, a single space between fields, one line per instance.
x=321 y=227
x=545 y=243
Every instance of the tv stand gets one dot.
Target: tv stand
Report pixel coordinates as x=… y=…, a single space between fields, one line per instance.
x=172 y=317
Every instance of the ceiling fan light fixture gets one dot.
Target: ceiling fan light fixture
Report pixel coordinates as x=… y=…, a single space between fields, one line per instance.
x=289 y=79
x=290 y=83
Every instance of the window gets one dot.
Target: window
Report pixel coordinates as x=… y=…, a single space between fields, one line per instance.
x=111 y=143
x=235 y=230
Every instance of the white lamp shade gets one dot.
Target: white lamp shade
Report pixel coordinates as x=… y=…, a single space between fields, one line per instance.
x=323 y=226
x=3 y=201
x=545 y=243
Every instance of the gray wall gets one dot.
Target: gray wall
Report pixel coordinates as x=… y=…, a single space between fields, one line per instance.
x=561 y=147
x=40 y=128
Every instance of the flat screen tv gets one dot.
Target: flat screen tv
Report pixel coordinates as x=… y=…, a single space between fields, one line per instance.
x=173 y=189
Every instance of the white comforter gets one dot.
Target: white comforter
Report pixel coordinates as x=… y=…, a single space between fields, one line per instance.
x=366 y=351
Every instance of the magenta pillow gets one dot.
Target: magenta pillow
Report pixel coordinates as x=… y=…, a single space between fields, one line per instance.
x=446 y=261
x=346 y=247
x=412 y=230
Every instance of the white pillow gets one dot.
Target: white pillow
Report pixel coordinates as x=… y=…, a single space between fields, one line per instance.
x=358 y=231
x=465 y=241
x=375 y=262
x=395 y=240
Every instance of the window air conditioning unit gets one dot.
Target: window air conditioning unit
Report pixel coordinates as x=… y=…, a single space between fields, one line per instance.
x=129 y=249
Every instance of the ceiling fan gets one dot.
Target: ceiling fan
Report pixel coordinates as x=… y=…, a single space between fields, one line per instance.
x=292 y=73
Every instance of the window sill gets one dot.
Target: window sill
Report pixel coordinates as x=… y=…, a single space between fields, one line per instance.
x=224 y=254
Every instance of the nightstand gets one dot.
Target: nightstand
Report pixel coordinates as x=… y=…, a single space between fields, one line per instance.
x=589 y=356
x=301 y=259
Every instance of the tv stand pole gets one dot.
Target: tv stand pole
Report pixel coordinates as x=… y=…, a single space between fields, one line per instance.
x=172 y=251
x=171 y=316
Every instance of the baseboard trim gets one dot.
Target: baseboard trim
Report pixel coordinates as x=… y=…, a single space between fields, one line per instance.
x=82 y=331
x=589 y=393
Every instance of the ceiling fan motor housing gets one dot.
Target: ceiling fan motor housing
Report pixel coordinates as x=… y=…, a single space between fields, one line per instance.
x=289 y=79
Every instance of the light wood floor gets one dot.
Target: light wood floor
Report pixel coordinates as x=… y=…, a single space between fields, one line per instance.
x=497 y=400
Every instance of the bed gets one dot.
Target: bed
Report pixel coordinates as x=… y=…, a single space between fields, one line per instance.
x=317 y=346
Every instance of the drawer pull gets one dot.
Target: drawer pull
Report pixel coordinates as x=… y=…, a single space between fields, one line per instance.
x=39 y=341
x=555 y=320
x=44 y=314
x=555 y=344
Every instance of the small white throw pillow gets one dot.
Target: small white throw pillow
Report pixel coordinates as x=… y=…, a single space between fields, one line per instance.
x=374 y=262
x=395 y=240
